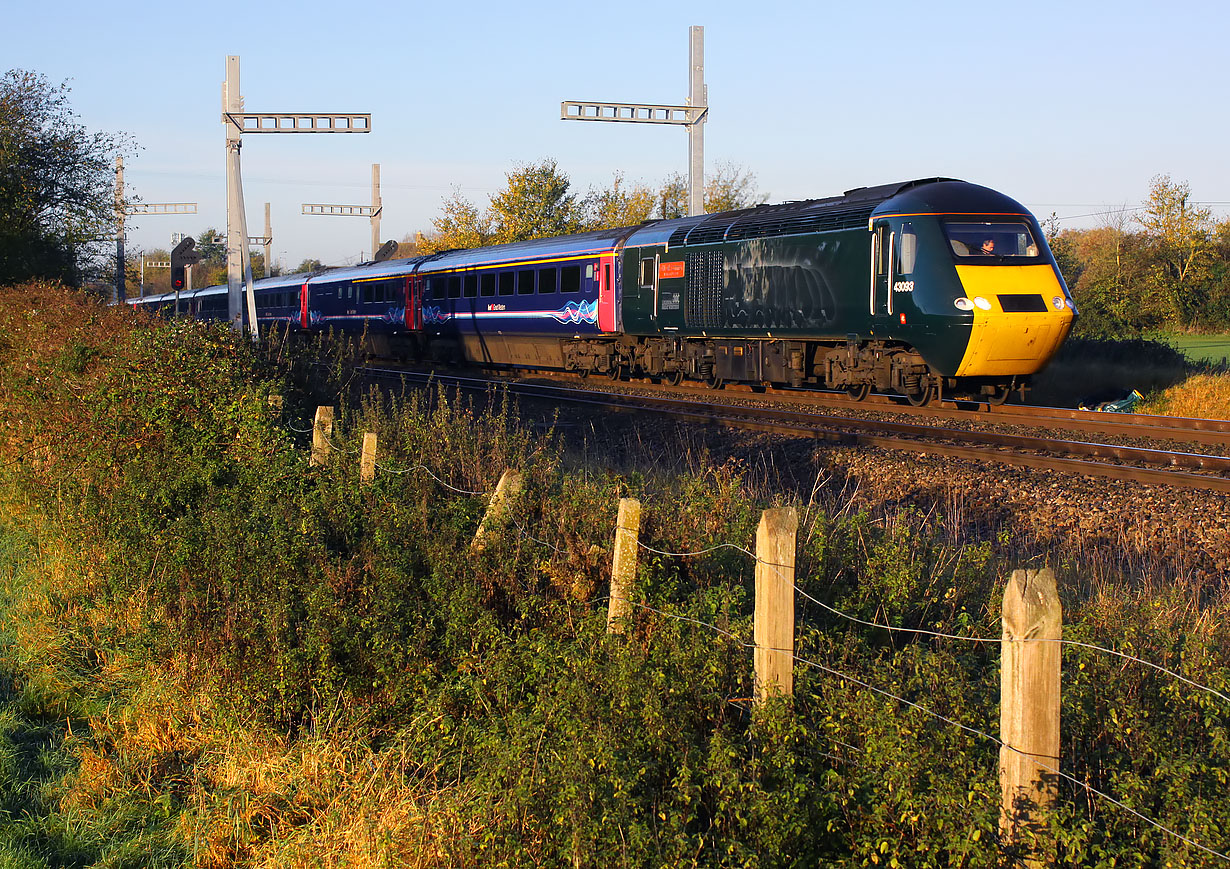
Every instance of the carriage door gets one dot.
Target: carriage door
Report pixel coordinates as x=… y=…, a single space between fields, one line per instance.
x=414 y=303
x=883 y=243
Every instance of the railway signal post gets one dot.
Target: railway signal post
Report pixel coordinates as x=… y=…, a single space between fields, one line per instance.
x=693 y=116
x=238 y=122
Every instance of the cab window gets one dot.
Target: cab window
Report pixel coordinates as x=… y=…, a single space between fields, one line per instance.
x=991 y=241
x=906 y=249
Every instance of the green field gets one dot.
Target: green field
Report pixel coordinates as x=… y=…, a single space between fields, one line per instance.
x=1200 y=348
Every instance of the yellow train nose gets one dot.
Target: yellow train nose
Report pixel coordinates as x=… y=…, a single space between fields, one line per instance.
x=1017 y=326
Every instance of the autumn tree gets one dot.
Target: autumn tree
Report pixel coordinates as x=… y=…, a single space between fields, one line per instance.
x=1112 y=291
x=618 y=205
x=461 y=225
x=57 y=184
x=536 y=203
x=1180 y=246
x=727 y=188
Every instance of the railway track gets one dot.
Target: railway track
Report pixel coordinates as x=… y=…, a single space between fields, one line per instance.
x=1118 y=461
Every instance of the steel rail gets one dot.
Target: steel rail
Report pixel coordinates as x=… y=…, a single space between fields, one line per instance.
x=904 y=436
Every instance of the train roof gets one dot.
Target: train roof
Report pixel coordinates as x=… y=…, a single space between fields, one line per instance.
x=852 y=209
x=366 y=271
x=581 y=243
x=946 y=196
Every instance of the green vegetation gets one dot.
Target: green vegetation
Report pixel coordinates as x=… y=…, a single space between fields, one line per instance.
x=57 y=185
x=216 y=655
x=1167 y=270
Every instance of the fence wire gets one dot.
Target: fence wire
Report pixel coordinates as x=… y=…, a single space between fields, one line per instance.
x=1084 y=786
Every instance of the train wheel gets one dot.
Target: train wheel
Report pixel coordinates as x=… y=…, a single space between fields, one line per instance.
x=859 y=392
x=673 y=379
x=582 y=373
x=715 y=383
x=615 y=372
x=918 y=399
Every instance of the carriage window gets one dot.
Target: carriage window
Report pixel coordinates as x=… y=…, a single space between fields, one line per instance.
x=1001 y=240
x=454 y=286
x=647 y=273
x=570 y=279
x=525 y=282
x=546 y=281
x=486 y=285
x=471 y=285
x=907 y=249
x=507 y=283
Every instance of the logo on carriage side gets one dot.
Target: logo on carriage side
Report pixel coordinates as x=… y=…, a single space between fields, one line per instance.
x=314 y=317
x=585 y=312
x=396 y=316
x=434 y=315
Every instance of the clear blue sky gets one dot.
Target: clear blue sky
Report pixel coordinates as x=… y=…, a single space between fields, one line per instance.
x=1069 y=107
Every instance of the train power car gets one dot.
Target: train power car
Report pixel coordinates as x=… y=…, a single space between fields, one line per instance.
x=922 y=288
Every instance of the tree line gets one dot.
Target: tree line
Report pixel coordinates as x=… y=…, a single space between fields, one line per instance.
x=538 y=201
x=1165 y=269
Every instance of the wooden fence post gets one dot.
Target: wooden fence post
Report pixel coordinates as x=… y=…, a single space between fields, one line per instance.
x=1029 y=708
x=367 y=462
x=623 y=564
x=774 y=620
x=505 y=491
x=322 y=430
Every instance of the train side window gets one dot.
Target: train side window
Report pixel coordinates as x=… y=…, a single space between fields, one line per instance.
x=507 y=283
x=546 y=281
x=647 y=273
x=525 y=282
x=471 y=285
x=882 y=249
x=454 y=286
x=486 y=284
x=907 y=249
x=570 y=279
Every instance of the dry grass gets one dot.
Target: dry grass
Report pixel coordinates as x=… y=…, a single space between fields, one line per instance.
x=1204 y=396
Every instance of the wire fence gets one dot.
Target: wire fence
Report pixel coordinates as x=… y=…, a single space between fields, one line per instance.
x=526 y=534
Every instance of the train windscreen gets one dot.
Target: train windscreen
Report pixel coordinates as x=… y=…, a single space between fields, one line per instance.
x=1005 y=241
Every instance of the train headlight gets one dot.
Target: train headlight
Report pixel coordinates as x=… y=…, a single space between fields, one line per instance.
x=981 y=304
x=963 y=304
x=1059 y=303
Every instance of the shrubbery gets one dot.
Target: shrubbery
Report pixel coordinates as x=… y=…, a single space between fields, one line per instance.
x=262 y=662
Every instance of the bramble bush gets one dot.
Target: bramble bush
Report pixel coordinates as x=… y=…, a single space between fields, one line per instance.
x=262 y=662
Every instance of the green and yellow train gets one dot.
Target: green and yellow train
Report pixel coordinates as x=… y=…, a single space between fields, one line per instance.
x=920 y=288
x=923 y=288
